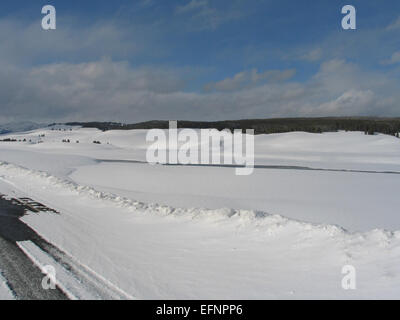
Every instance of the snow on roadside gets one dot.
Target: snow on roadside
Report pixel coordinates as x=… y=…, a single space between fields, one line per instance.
x=5 y=292
x=350 y=200
x=74 y=288
x=239 y=217
x=198 y=253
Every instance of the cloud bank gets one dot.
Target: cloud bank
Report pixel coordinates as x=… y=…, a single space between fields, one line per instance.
x=114 y=90
x=96 y=72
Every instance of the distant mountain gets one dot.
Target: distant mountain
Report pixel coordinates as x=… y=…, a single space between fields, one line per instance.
x=19 y=127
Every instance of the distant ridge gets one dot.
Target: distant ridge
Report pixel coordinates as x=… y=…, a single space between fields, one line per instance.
x=19 y=127
x=368 y=125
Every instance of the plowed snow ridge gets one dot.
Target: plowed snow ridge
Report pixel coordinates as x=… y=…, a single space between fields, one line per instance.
x=261 y=220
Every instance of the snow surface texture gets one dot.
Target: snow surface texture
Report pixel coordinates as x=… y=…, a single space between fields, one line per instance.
x=353 y=200
x=337 y=150
x=150 y=250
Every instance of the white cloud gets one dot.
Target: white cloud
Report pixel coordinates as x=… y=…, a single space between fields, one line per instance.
x=107 y=75
x=395 y=58
x=250 y=78
x=100 y=89
x=203 y=16
x=192 y=5
x=27 y=43
x=351 y=102
x=115 y=91
x=312 y=55
x=395 y=25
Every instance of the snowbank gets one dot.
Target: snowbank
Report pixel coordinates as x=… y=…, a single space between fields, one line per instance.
x=151 y=251
x=240 y=218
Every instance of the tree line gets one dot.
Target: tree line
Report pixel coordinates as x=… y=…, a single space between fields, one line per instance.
x=390 y=126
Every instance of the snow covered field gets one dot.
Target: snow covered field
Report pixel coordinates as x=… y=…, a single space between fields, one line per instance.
x=279 y=233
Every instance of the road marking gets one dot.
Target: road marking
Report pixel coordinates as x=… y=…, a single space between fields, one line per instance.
x=80 y=284
x=64 y=280
x=5 y=291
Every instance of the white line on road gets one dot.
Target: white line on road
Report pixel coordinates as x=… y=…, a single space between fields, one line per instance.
x=90 y=287
x=5 y=291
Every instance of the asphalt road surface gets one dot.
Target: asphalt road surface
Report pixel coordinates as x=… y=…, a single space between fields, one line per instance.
x=22 y=276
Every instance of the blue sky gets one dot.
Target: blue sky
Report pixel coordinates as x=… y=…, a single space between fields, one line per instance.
x=198 y=59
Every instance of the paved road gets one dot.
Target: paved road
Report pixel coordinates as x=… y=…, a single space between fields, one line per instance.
x=22 y=276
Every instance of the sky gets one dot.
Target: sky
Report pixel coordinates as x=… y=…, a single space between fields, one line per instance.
x=131 y=61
